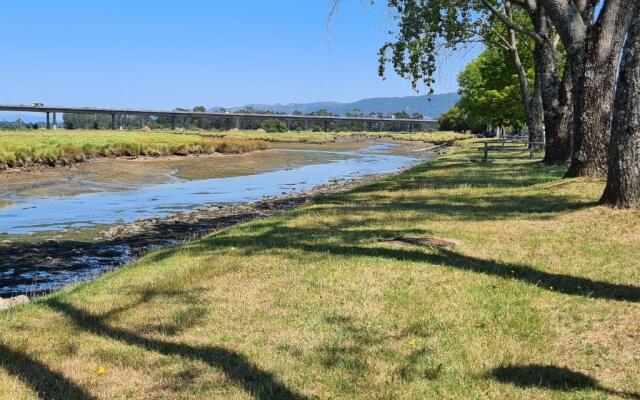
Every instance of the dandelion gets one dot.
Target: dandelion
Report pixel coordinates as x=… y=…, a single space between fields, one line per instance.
x=413 y=342
x=102 y=370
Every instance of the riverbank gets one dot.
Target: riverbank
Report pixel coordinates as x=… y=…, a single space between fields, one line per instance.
x=538 y=299
x=37 y=265
x=28 y=148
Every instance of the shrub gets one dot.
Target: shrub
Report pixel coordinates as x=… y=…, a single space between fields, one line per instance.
x=273 y=126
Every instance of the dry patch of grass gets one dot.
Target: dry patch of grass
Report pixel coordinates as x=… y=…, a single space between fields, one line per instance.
x=21 y=148
x=538 y=300
x=328 y=137
x=427 y=137
x=288 y=137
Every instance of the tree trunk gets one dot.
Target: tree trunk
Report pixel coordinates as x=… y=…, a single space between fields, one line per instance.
x=556 y=96
x=532 y=101
x=593 y=51
x=535 y=118
x=594 y=89
x=623 y=180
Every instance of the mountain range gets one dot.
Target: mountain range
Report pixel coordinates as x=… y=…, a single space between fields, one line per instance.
x=429 y=106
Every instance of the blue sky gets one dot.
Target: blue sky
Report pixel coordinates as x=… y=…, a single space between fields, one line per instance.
x=164 y=53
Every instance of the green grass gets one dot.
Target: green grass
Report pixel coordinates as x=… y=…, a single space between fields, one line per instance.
x=20 y=148
x=540 y=299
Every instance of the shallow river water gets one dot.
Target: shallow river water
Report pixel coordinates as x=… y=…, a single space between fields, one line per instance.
x=39 y=215
x=122 y=203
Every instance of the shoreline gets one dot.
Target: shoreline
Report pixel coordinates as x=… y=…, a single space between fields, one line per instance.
x=35 y=168
x=69 y=260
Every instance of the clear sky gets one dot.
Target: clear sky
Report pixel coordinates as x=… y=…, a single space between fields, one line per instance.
x=168 y=53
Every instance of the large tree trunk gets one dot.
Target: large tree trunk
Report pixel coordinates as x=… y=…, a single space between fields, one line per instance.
x=556 y=93
x=593 y=52
x=623 y=180
x=594 y=89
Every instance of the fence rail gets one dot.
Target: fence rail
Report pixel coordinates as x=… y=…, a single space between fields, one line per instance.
x=504 y=143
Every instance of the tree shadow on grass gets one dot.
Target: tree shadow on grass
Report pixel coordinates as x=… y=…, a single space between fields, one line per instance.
x=236 y=367
x=277 y=236
x=553 y=378
x=48 y=384
x=561 y=283
x=471 y=174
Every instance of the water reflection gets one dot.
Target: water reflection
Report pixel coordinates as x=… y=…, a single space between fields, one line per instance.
x=33 y=213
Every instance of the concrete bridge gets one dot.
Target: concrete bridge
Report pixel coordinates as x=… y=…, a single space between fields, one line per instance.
x=118 y=116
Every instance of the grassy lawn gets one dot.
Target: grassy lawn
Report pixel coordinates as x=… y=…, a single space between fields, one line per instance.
x=18 y=148
x=539 y=299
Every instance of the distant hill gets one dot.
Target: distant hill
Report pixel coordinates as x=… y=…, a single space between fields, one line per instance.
x=429 y=106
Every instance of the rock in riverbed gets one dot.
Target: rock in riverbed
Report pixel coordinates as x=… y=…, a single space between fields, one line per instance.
x=14 y=301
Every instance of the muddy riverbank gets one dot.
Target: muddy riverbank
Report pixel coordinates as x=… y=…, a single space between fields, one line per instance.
x=41 y=262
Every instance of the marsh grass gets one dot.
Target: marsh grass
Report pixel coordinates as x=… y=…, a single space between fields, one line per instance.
x=540 y=299
x=328 y=137
x=289 y=137
x=21 y=148
x=427 y=137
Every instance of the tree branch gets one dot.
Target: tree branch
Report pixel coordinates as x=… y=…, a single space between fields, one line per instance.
x=509 y=23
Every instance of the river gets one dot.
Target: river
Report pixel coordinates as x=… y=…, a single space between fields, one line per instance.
x=40 y=216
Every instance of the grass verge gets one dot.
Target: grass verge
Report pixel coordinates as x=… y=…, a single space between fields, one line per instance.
x=540 y=299
x=20 y=148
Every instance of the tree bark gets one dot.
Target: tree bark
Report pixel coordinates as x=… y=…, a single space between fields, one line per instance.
x=593 y=53
x=592 y=131
x=556 y=93
x=623 y=179
x=533 y=106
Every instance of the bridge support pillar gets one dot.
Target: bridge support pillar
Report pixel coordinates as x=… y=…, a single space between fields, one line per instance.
x=370 y=126
x=173 y=123
x=113 y=122
x=48 y=121
x=55 y=121
x=236 y=122
x=182 y=122
x=121 y=120
x=289 y=125
x=326 y=126
x=306 y=124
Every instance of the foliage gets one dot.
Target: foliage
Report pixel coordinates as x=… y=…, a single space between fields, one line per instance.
x=274 y=125
x=423 y=29
x=457 y=121
x=490 y=92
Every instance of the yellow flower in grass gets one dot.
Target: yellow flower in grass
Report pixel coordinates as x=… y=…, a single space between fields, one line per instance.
x=102 y=370
x=413 y=342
